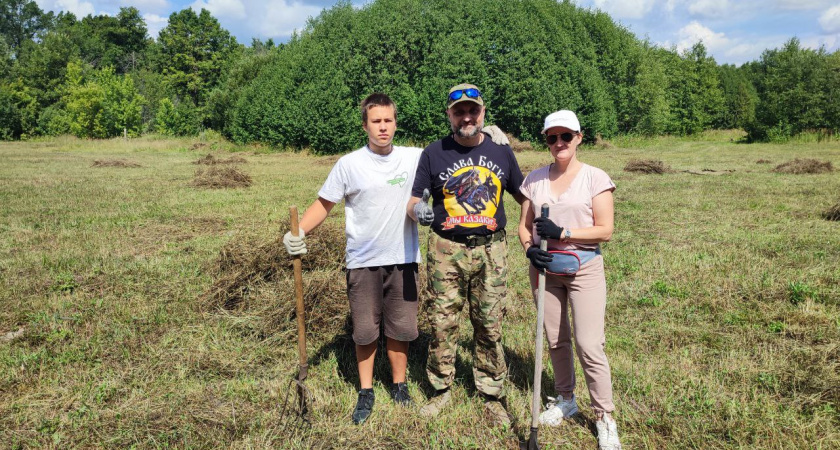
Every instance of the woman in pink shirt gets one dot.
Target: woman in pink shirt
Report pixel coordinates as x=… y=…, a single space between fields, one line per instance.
x=580 y=216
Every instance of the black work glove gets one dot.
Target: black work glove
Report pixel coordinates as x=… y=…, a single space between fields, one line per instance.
x=539 y=258
x=547 y=229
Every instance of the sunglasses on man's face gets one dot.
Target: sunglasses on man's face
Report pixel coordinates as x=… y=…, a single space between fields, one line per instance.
x=470 y=93
x=551 y=139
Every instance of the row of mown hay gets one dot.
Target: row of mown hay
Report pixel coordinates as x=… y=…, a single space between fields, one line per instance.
x=257 y=279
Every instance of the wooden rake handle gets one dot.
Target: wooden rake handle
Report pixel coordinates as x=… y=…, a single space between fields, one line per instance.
x=301 y=325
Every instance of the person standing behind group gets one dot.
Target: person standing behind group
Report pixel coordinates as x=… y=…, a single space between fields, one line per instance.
x=382 y=244
x=466 y=176
x=580 y=217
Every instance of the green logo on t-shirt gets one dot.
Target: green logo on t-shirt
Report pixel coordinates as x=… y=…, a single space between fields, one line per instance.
x=399 y=179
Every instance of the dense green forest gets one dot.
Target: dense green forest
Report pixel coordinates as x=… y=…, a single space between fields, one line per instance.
x=101 y=76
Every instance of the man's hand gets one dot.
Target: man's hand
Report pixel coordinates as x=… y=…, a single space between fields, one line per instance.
x=294 y=244
x=496 y=135
x=539 y=258
x=548 y=229
x=425 y=214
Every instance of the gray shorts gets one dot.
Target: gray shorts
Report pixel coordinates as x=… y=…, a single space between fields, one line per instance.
x=388 y=292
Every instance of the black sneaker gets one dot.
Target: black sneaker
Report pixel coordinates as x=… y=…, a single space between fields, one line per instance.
x=364 y=405
x=399 y=392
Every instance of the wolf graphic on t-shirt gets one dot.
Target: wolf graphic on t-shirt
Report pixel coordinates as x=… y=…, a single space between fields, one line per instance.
x=471 y=197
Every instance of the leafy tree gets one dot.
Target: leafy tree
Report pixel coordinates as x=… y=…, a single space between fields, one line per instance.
x=119 y=42
x=18 y=110
x=740 y=98
x=176 y=120
x=648 y=96
x=43 y=66
x=797 y=90
x=104 y=105
x=21 y=21
x=194 y=53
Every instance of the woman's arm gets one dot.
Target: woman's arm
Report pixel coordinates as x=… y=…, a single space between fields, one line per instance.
x=603 y=216
x=526 y=223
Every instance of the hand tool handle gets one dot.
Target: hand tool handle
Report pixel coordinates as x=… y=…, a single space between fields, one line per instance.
x=535 y=403
x=301 y=325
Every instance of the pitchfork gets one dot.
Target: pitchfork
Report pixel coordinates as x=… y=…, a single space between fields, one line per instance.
x=298 y=411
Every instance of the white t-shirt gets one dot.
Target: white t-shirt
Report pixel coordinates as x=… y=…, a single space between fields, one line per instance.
x=376 y=190
x=573 y=208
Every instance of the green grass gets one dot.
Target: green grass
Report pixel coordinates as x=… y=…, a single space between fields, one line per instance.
x=723 y=324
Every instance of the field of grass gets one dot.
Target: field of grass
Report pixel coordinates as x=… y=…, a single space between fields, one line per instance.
x=723 y=317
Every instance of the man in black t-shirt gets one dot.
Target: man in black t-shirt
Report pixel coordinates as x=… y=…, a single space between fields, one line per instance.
x=465 y=174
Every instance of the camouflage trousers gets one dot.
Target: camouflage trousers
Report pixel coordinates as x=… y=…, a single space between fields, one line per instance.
x=457 y=273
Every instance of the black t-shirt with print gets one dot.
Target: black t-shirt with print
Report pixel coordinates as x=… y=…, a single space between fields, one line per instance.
x=466 y=184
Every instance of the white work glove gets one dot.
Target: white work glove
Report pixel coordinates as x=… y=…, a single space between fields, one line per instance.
x=294 y=244
x=425 y=214
x=496 y=135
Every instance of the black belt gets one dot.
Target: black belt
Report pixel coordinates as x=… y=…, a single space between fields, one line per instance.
x=472 y=241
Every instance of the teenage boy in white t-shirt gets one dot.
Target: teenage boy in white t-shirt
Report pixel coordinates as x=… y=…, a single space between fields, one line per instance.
x=382 y=244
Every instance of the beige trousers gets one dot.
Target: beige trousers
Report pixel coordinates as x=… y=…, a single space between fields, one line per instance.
x=585 y=294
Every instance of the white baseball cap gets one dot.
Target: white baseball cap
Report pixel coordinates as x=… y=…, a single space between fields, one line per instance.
x=563 y=118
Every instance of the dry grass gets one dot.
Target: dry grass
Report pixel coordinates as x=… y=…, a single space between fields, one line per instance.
x=114 y=163
x=155 y=315
x=210 y=160
x=214 y=177
x=601 y=143
x=763 y=161
x=517 y=145
x=804 y=166
x=832 y=213
x=647 y=166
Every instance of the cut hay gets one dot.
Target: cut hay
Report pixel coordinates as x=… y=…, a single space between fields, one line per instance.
x=833 y=213
x=602 y=143
x=647 y=166
x=804 y=166
x=517 y=145
x=114 y=163
x=257 y=279
x=215 y=177
x=763 y=161
x=210 y=160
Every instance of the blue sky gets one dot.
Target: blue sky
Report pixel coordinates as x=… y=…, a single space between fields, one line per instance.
x=734 y=32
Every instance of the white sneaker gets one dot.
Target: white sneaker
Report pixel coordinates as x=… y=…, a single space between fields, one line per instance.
x=557 y=409
x=607 y=434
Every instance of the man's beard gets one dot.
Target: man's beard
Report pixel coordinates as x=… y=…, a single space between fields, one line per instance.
x=464 y=134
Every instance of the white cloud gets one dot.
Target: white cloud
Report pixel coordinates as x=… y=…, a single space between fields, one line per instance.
x=278 y=18
x=148 y=6
x=801 y=5
x=708 y=8
x=155 y=23
x=830 y=20
x=815 y=42
x=626 y=9
x=77 y=7
x=221 y=9
x=695 y=32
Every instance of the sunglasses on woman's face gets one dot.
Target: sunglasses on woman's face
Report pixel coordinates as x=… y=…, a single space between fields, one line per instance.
x=551 y=139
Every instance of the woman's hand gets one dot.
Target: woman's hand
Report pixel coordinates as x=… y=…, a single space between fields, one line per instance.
x=539 y=258
x=548 y=229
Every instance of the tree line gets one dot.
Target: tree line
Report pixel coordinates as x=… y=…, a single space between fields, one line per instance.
x=100 y=76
